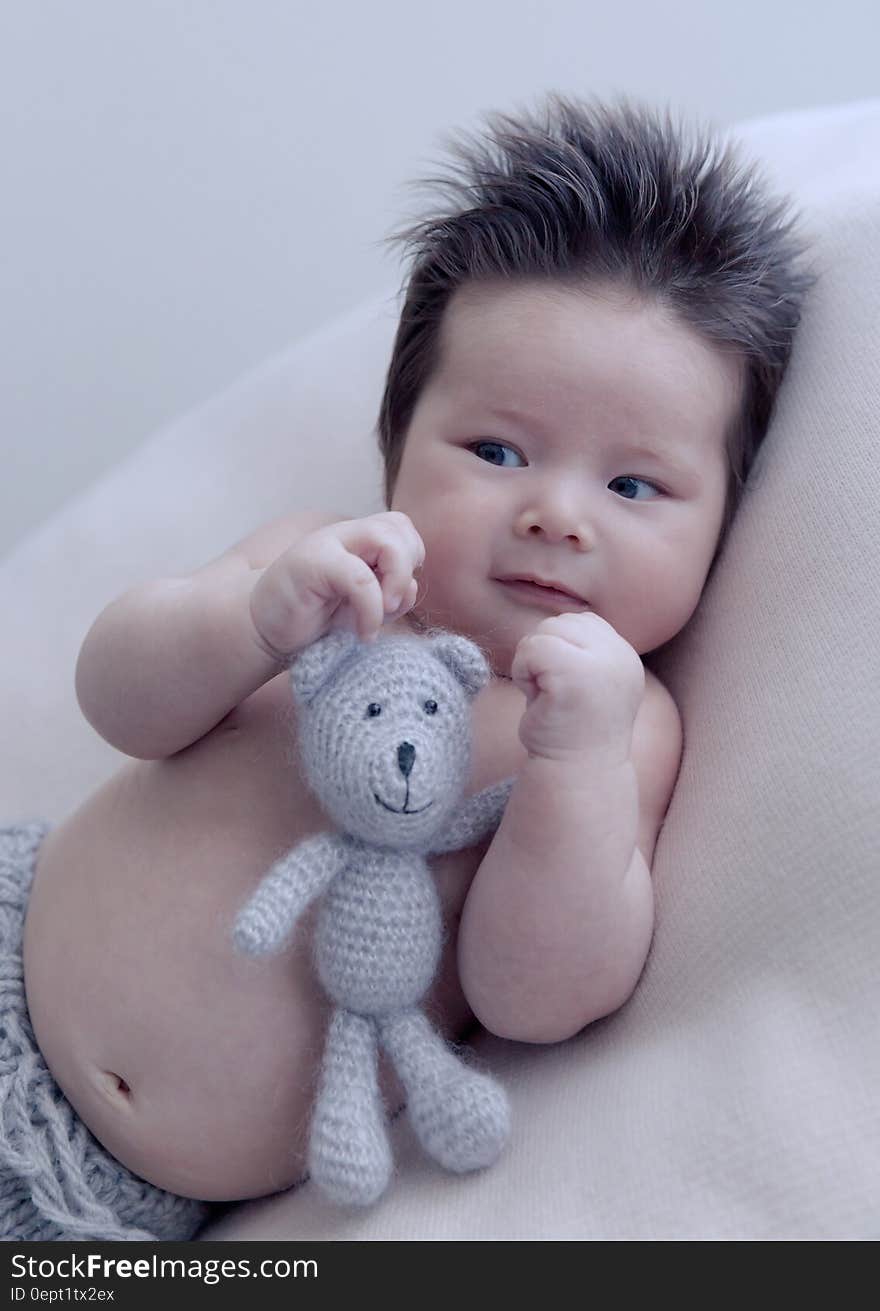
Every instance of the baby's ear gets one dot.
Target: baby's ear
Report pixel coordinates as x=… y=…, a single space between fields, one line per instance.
x=315 y=664
x=464 y=658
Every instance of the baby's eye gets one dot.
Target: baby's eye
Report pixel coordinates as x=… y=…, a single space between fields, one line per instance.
x=630 y=482
x=373 y=709
x=430 y=707
x=494 y=453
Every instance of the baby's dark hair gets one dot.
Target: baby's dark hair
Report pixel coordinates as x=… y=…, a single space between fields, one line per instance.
x=594 y=193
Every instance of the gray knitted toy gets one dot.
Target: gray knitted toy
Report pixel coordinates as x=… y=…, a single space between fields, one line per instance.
x=384 y=735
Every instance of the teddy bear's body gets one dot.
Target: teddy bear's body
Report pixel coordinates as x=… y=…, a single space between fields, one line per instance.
x=379 y=930
x=385 y=743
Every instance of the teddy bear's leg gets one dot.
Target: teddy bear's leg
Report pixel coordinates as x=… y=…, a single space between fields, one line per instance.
x=349 y=1154
x=461 y=1117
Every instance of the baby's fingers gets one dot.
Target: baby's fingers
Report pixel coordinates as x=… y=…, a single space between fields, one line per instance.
x=356 y=585
x=392 y=548
x=410 y=596
x=530 y=663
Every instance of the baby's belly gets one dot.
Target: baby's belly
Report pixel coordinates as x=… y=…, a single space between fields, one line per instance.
x=195 y=1066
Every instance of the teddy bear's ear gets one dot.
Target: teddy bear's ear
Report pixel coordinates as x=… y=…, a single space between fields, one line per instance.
x=313 y=666
x=464 y=658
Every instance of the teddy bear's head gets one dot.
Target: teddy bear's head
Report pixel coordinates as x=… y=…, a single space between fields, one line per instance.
x=384 y=730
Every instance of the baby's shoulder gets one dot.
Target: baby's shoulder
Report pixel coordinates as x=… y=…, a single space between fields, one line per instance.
x=658 y=716
x=657 y=745
x=264 y=545
x=655 y=685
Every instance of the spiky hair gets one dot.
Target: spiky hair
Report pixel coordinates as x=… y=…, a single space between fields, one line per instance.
x=584 y=192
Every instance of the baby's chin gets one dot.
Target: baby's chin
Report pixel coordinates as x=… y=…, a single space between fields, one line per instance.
x=498 y=644
x=497 y=640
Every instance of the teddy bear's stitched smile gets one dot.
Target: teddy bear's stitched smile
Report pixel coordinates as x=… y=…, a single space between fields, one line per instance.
x=405 y=810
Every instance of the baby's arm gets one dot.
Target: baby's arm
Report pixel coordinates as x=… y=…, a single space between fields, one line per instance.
x=166 y=662
x=558 y=920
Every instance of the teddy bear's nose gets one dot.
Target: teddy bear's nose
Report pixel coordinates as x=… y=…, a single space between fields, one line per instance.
x=406 y=754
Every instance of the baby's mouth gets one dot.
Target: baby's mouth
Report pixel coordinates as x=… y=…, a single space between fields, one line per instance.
x=542 y=595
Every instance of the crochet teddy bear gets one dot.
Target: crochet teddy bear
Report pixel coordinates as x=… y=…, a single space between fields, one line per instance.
x=384 y=739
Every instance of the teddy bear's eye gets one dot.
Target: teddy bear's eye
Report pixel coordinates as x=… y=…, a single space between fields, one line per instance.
x=373 y=709
x=430 y=707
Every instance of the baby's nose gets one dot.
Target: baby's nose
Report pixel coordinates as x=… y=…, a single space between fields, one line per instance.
x=406 y=754
x=557 y=526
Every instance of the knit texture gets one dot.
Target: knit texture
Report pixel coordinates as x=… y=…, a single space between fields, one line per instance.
x=384 y=731
x=384 y=739
x=349 y=1154
x=460 y=1116
x=56 y=1180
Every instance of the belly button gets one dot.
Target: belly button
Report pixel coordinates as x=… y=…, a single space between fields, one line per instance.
x=116 y=1085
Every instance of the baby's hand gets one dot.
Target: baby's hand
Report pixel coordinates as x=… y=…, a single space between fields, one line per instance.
x=355 y=574
x=584 y=685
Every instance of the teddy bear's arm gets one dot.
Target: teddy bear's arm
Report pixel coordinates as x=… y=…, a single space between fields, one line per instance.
x=478 y=815
x=284 y=893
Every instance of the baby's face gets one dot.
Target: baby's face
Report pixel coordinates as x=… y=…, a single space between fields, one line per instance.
x=577 y=439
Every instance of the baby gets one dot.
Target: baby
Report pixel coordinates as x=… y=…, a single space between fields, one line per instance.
x=592 y=339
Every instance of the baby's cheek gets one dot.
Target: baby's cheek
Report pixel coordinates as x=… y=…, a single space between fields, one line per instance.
x=449 y=573
x=655 y=602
